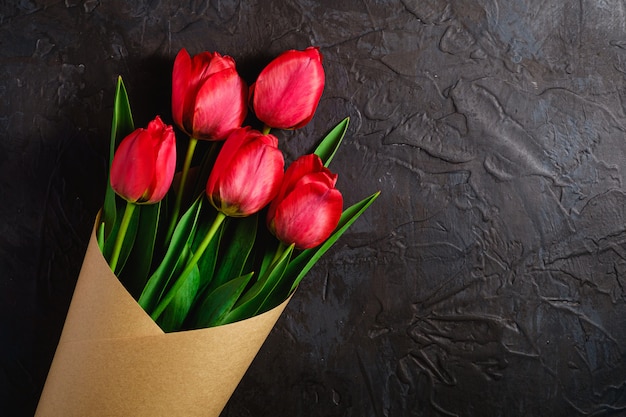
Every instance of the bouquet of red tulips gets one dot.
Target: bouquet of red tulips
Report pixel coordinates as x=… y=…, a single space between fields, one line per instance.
x=219 y=244
x=204 y=258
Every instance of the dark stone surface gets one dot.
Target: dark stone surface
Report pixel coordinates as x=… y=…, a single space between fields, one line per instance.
x=488 y=280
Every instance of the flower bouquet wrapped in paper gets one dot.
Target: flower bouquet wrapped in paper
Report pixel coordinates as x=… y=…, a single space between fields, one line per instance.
x=188 y=270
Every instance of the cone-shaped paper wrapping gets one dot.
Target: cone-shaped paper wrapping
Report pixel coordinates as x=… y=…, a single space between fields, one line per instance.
x=113 y=360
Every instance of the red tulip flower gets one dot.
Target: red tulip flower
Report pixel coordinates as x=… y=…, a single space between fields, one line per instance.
x=247 y=173
x=287 y=91
x=144 y=163
x=308 y=206
x=209 y=98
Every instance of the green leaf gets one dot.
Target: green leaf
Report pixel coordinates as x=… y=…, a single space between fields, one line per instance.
x=263 y=251
x=278 y=290
x=100 y=236
x=219 y=302
x=176 y=311
x=254 y=299
x=236 y=249
x=129 y=238
x=267 y=256
x=157 y=283
x=137 y=267
x=191 y=263
x=121 y=126
x=206 y=263
x=300 y=265
x=329 y=145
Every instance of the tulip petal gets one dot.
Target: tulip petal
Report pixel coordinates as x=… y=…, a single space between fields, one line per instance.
x=288 y=90
x=181 y=79
x=200 y=64
x=308 y=215
x=220 y=105
x=247 y=173
x=297 y=169
x=143 y=165
x=209 y=99
x=165 y=166
x=251 y=181
x=305 y=165
x=131 y=174
x=223 y=161
x=219 y=63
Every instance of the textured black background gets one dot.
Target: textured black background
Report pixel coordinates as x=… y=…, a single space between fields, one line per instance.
x=488 y=279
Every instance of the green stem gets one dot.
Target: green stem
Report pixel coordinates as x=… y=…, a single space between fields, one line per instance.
x=191 y=148
x=266 y=130
x=189 y=267
x=121 y=234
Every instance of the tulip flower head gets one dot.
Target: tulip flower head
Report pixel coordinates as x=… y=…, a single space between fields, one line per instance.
x=209 y=98
x=144 y=163
x=247 y=173
x=287 y=91
x=308 y=206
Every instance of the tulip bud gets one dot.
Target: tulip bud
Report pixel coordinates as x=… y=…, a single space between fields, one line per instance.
x=287 y=91
x=308 y=206
x=209 y=98
x=144 y=163
x=247 y=173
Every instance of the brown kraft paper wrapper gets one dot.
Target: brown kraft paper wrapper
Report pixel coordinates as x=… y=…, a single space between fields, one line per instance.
x=114 y=360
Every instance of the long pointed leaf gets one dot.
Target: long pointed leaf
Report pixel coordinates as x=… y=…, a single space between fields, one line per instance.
x=121 y=125
x=182 y=234
x=219 y=302
x=176 y=311
x=329 y=145
x=236 y=249
x=299 y=267
x=206 y=263
x=137 y=267
x=255 y=298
